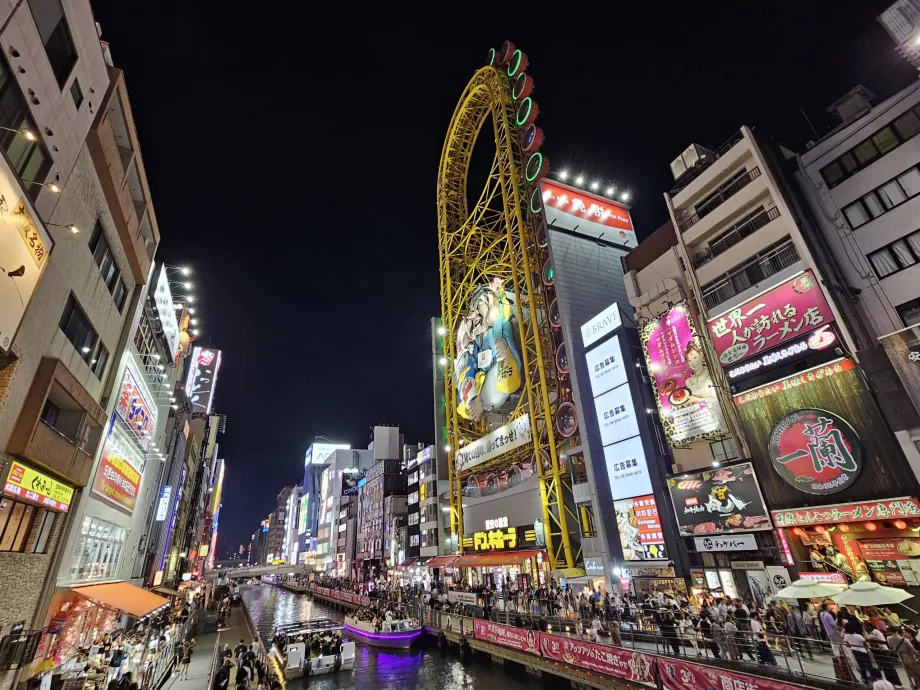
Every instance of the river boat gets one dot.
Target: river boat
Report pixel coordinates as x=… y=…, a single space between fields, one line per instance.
x=296 y=659
x=396 y=634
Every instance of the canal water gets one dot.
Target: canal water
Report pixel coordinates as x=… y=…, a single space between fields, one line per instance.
x=377 y=669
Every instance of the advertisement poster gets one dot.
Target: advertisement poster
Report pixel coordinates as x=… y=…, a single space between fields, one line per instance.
x=25 y=246
x=627 y=468
x=683 y=675
x=611 y=661
x=506 y=636
x=570 y=208
x=889 y=509
x=606 y=366
x=514 y=434
x=133 y=408
x=202 y=377
x=116 y=479
x=30 y=486
x=685 y=393
x=719 y=501
x=616 y=415
x=487 y=367
x=882 y=556
x=816 y=451
x=786 y=312
x=640 y=529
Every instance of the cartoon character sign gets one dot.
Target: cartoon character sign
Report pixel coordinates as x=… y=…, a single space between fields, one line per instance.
x=487 y=370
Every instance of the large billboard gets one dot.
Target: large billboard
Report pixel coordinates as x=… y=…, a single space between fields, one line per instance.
x=684 y=389
x=514 y=434
x=202 y=378
x=163 y=300
x=782 y=313
x=639 y=525
x=488 y=373
x=318 y=453
x=118 y=479
x=719 y=501
x=24 y=249
x=133 y=407
x=304 y=522
x=588 y=214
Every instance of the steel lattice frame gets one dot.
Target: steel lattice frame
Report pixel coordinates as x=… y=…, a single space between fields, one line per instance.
x=495 y=239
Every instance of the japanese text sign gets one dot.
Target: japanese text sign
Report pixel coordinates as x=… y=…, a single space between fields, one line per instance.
x=605 y=659
x=514 y=434
x=824 y=371
x=34 y=487
x=681 y=675
x=132 y=407
x=507 y=636
x=785 y=312
x=117 y=480
x=587 y=214
x=641 y=535
x=496 y=540
x=685 y=393
x=848 y=512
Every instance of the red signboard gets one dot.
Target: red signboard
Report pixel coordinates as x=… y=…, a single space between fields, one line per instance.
x=116 y=479
x=612 y=661
x=507 y=636
x=134 y=410
x=888 y=509
x=829 y=578
x=682 y=675
x=568 y=208
x=896 y=549
x=34 y=487
x=789 y=310
x=824 y=371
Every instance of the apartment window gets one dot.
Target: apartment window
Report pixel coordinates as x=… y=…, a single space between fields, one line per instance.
x=19 y=521
x=897 y=256
x=55 y=34
x=586 y=520
x=120 y=295
x=910 y=312
x=99 y=360
x=102 y=255
x=77 y=328
x=884 y=198
x=98 y=550
x=724 y=450
x=29 y=159
x=885 y=140
x=76 y=93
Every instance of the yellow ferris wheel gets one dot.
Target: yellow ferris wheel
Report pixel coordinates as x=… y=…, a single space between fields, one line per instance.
x=505 y=358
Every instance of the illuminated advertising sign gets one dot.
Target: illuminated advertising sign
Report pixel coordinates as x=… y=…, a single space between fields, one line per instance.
x=502 y=539
x=816 y=451
x=163 y=505
x=350 y=479
x=588 y=214
x=718 y=501
x=640 y=529
x=25 y=246
x=783 y=313
x=606 y=366
x=304 y=513
x=218 y=488
x=488 y=372
x=318 y=453
x=601 y=325
x=133 y=408
x=685 y=393
x=34 y=487
x=163 y=299
x=117 y=480
x=202 y=378
x=514 y=434
x=821 y=339
x=627 y=468
x=204 y=550
x=616 y=415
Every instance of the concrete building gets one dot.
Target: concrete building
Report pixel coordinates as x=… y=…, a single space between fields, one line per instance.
x=862 y=181
x=277 y=528
x=348 y=468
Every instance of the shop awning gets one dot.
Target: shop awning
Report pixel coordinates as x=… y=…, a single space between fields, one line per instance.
x=487 y=559
x=406 y=563
x=167 y=591
x=123 y=596
x=441 y=561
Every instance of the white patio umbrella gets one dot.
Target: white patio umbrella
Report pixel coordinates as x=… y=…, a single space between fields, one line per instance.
x=871 y=594
x=808 y=589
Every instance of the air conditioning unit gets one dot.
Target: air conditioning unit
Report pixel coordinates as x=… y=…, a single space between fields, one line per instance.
x=691 y=156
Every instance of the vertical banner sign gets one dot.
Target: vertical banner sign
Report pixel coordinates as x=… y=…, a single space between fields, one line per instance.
x=685 y=393
x=133 y=408
x=117 y=480
x=202 y=377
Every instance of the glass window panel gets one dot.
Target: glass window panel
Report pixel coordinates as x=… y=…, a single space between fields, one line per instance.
x=902 y=254
x=23 y=531
x=910 y=312
x=856 y=215
x=849 y=163
x=44 y=531
x=12 y=527
x=883 y=263
x=833 y=173
x=910 y=182
x=907 y=125
x=913 y=241
x=891 y=194
x=6 y=507
x=873 y=204
x=866 y=152
x=885 y=140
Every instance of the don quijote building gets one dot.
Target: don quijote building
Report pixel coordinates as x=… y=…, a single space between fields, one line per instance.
x=752 y=343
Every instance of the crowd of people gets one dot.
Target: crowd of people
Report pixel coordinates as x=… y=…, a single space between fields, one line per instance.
x=251 y=671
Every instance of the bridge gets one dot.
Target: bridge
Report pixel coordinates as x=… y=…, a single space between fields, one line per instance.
x=256 y=571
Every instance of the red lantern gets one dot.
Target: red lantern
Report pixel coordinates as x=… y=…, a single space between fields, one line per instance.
x=820 y=529
x=900 y=524
x=844 y=528
x=798 y=531
x=871 y=526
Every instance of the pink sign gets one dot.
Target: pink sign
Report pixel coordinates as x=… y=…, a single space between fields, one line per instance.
x=681 y=675
x=507 y=636
x=612 y=661
x=794 y=308
x=686 y=395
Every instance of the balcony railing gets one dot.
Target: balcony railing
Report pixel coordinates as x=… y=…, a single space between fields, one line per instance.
x=729 y=239
x=721 y=195
x=762 y=266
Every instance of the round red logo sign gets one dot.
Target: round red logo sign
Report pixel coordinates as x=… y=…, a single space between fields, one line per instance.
x=816 y=451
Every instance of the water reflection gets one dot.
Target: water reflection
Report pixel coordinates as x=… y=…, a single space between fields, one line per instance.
x=377 y=669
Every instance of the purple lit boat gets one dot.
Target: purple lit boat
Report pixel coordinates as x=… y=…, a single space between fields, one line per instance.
x=397 y=634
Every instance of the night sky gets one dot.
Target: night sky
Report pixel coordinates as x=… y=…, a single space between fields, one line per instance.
x=292 y=154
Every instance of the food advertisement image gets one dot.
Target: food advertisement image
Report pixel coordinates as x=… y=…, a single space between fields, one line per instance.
x=718 y=501
x=640 y=529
